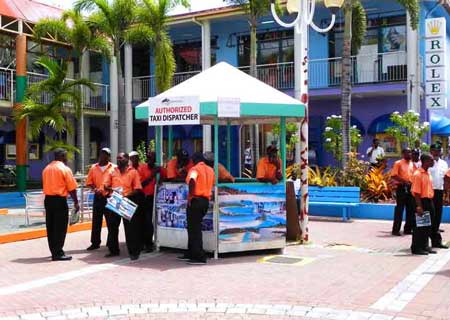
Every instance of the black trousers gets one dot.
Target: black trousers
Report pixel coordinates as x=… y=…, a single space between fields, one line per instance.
x=56 y=220
x=113 y=224
x=134 y=229
x=420 y=234
x=405 y=200
x=195 y=213
x=147 y=208
x=97 y=219
x=438 y=201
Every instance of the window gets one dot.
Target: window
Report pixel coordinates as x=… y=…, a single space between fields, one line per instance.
x=273 y=47
x=188 y=55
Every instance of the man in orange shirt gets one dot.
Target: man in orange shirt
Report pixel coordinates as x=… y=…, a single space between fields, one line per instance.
x=268 y=169
x=224 y=174
x=147 y=172
x=422 y=190
x=124 y=179
x=201 y=181
x=58 y=182
x=402 y=173
x=95 y=178
x=178 y=168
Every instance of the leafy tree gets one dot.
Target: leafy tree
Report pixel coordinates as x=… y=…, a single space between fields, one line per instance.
x=64 y=98
x=407 y=128
x=354 y=33
x=152 y=28
x=333 y=137
x=73 y=29
x=114 y=19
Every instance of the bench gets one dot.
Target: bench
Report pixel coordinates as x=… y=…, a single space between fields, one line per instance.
x=34 y=202
x=345 y=198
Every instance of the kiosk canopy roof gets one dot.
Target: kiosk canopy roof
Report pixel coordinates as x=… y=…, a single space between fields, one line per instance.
x=225 y=81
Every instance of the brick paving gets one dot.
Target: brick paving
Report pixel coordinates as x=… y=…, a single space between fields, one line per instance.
x=352 y=266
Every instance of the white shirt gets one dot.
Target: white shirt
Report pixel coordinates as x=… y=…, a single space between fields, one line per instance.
x=437 y=173
x=379 y=151
x=248 y=156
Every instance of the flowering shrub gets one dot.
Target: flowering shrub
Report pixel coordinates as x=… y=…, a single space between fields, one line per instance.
x=408 y=130
x=333 y=137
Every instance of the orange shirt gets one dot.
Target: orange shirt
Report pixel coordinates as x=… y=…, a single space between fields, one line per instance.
x=129 y=180
x=266 y=169
x=204 y=177
x=403 y=169
x=96 y=176
x=224 y=174
x=172 y=170
x=58 y=180
x=145 y=173
x=422 y=184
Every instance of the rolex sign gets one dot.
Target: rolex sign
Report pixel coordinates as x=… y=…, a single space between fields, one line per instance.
x=435 y=64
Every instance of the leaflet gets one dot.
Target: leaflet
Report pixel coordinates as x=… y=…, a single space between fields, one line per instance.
x=124 y=207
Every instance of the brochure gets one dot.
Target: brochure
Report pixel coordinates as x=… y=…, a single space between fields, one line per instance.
x=423 y=221
x=124 y=207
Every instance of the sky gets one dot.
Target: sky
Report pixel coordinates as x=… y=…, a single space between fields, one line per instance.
x=196 y=5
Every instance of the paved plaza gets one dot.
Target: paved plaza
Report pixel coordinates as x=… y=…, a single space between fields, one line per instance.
x=353 y=270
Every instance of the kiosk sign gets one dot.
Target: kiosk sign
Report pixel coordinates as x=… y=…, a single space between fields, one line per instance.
x=173 y=111
x=435 y=64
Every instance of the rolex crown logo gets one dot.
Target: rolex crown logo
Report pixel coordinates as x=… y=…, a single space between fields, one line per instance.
x=434 y=27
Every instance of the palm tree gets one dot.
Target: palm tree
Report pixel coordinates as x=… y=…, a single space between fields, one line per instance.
x=152 y=28
x=73 y=29
x=254 y=10
x=114 y=19
x=64 y=98
x=354 y=33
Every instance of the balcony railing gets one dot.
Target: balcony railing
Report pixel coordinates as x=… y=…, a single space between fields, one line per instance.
x=323 y=73
x=96 y=99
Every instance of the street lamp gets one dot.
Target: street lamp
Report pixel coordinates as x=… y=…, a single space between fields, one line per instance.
x=305 y=10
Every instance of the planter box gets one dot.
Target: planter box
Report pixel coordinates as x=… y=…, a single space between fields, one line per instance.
x=379 y=211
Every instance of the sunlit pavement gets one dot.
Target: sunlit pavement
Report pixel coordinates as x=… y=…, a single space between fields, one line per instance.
x=353 y=270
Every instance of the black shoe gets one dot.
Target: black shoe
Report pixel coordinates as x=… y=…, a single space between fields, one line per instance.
x=148 y=249
x=112 y=254
x=431 y=251
x=196 y=261
x=62 y=258
x=396 y=233
x=407 y=232
x=420 y=252
x=440 y=246
x=134 y=257
x=93 y=247
x=441 y=230
x=184 y=258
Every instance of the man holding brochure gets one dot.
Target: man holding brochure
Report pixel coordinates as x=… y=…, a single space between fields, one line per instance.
x=422 y=190
x=125 y=180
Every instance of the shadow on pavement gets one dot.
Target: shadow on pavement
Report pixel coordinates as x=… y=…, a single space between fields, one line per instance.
x=35 y=260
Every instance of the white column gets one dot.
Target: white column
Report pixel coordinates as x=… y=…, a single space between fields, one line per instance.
x=84 y=73
x=114 y=110
x=206 y=63
x=128 y=97
x=412 y=61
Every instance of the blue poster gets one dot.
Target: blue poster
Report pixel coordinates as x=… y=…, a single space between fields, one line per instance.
x=171 y=203
x=252 y=212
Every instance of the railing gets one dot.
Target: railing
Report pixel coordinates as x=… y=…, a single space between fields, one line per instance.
x=6 y=84
x=323 y=73
x=96 y=99
x=145 y=87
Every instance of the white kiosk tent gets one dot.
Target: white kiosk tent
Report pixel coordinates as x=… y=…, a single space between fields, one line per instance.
x=252 y=102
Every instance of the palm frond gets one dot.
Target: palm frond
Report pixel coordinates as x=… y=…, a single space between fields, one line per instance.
x=139 y=34
x=53 y=144
x=165 y=63
x=55 y=28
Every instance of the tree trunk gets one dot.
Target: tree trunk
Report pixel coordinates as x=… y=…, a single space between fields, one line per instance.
x=346 y=100
x=121 y=93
